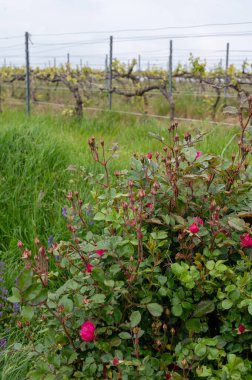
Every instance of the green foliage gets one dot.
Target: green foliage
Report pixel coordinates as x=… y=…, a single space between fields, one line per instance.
x=198 y=68
x=157 y=262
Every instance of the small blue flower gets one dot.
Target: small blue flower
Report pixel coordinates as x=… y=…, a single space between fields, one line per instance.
x=50 y=241
x=57 y=258
x=90 y=214
x=3 y=343
x=16 y=308
x=4 y=291
x=64 y=212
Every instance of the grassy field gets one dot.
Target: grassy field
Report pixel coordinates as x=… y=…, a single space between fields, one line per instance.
x=35 y=156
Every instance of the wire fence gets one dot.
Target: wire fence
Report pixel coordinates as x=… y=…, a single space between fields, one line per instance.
x=96 y=50
x=91 y=47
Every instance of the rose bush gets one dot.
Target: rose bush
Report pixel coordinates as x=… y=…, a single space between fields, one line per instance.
x=157 y=284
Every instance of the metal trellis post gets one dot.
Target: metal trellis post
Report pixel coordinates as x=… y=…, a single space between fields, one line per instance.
x=226 y=74
x=27 y=76
x=171 y=101
x=110 y=72
x=139 y=62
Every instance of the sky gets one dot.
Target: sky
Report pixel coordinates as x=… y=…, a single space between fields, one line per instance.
x=148 y=27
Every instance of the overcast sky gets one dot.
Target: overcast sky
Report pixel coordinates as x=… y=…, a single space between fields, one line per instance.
x=40 y=17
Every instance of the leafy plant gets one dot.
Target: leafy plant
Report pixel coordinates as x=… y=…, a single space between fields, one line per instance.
x=155 y=282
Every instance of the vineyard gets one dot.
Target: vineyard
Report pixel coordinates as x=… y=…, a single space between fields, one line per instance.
x=126 y=211
x=146 y=92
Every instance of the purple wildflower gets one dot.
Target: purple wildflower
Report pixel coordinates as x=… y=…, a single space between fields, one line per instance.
x=3 y=343
x=64 y=212
x=16 y=308
x=50 y=241
x=90 y=214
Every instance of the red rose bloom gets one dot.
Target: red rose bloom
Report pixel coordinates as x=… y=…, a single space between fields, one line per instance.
x=87 y=331
x=101 y=252
x=194 y=228
x=246 y=241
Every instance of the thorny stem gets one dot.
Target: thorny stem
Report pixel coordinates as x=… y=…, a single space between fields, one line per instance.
x=61 y=321
x=105 y=165
x=96 y=158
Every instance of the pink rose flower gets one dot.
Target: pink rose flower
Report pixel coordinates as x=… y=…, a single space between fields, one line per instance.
x=149 y=156
x=149 y=205
x=198 y=154
x=241 y=329
x=89 y=268
x=87 y=331
x=101 y=252
x=246 y=241
x=194 y=228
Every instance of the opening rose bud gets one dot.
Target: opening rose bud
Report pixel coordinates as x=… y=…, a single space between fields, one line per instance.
x=168 y=375
x=194 y=228
x=115 y=361
x=19 y=244
x=141 y=193
x=26 y=254
x=198 y=154
x=149 y=156
x=89 y=268
x=199 y=220
x=241 y=329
